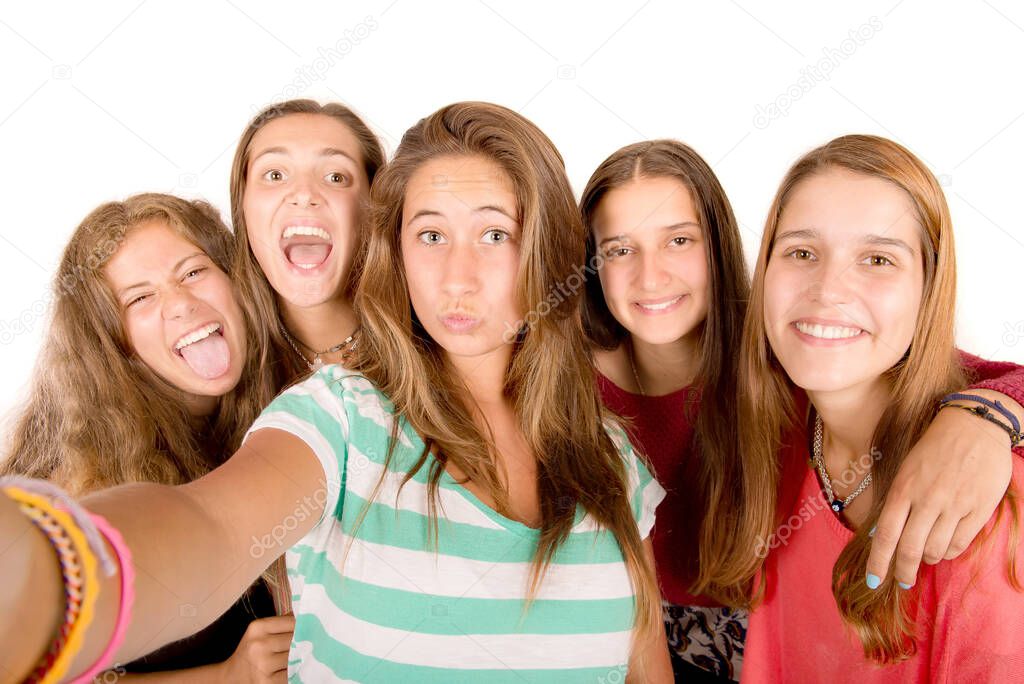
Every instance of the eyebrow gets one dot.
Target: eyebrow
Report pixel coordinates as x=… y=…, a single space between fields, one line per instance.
x=325 y=152
x=486 y=207
x=674 y=226
x=144 y=283
x=870 y=239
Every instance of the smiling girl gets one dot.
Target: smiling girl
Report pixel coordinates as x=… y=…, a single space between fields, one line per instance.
x=454 y=507
x=146 y=376
x=853 y=308
x=664 y=314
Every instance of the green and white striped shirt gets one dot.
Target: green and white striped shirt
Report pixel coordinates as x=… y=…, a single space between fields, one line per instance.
x=400 y=609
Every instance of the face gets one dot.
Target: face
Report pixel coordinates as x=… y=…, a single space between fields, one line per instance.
x=179 y=311
x=655 y=275
x=304 y=191
x=844 y=280
x=460 y=250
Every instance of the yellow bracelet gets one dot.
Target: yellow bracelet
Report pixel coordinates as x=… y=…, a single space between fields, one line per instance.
x=78 y=567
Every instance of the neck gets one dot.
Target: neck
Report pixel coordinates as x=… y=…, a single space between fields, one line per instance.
x=321 y=326
x=483 y=376
x=850 y=417
x=665 y=368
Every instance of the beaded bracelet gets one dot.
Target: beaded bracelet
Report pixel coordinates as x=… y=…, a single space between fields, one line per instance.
x=78 y=570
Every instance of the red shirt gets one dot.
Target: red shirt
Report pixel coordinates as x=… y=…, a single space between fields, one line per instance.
x=971 y=620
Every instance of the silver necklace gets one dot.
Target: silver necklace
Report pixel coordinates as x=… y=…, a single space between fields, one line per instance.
x=837 y=504
x=317 y=363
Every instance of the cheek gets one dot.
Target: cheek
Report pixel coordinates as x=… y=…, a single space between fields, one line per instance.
x=614 y=279
x=780 y=287
x=143 y=334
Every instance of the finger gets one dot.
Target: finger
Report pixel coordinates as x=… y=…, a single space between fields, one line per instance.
x=910 y=549
x=272 y=667
x=279 y=624
x=939 y=539
x=278 y=643
x=886 y=537
x=967 y=530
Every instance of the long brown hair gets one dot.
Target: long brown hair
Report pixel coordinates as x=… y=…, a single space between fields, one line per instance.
x=719 y=491
x=97 y=415
x=277 y=357
x=881 y=618
x=550 y=380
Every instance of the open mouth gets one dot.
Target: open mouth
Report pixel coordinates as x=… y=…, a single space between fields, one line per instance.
x=828 y=332
x=205 y=351
x=306 y=247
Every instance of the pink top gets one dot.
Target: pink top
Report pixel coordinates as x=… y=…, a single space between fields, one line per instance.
x=971 y=620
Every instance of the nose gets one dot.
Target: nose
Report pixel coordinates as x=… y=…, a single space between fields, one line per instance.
x=830 y=285
x=179 y=302
x=461 y=271
x=304 y=192
x=652 y=277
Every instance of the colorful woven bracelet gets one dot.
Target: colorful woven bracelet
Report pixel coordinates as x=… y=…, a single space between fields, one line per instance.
x=124 y=561
x=78 y=570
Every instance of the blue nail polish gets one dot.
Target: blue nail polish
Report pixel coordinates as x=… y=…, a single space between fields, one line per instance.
x=873 y=581
x=872 y=532
x=905 y=586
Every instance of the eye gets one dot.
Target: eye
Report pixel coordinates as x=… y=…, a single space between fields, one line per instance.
x=136 y=300
x=336 y=177
x=194 y=272
x=496 y=236
x=430 y=237
x=616 y=252
x=681 y=241
x=273 y=175
x=879 y=260
x=800 y=254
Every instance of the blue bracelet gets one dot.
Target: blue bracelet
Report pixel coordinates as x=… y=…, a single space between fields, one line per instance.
x=995 y=405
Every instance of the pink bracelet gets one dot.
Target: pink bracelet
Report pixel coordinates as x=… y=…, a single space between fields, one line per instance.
x=124 y=561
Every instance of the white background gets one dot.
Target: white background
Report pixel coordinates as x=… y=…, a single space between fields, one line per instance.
x=101 y=100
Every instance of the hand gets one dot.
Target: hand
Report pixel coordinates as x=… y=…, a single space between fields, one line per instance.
x=944 y=493
x=262 y=654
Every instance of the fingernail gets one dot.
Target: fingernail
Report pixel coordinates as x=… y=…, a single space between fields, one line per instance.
x=873 y=581
x=872 y=532
x=905 y=586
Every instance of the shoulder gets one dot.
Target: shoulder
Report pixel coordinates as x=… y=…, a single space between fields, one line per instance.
x=613 y=364
x=644 y=491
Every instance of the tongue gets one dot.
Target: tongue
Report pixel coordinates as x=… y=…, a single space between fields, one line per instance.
x=209 y=358
x=308 y=255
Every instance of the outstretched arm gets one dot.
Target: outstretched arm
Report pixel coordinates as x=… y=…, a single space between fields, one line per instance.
x=196 y=548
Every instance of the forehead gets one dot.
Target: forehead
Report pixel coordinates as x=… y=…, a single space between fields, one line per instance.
x=305 y=133
x=844 y=205
x=151 y=246
x=458 y=181
x=644 y=203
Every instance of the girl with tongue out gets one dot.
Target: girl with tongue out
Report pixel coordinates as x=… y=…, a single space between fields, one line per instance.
x=456 y=506
x=300 y=186
x=146 y=376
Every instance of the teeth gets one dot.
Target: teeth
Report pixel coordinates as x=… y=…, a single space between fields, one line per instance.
x=827 y=332
x=196 y=335
x=291 y=231
x=659 y=307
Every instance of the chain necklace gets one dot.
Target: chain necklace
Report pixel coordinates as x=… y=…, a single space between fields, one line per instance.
x=837 y=504
x=317 y=363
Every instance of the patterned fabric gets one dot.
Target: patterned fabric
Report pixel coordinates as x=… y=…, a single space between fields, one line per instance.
x=709 y=638
x=386 y=602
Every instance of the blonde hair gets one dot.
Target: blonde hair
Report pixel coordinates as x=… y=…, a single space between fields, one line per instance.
x=929 y=369
x=97 y=415
x=550 y=380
